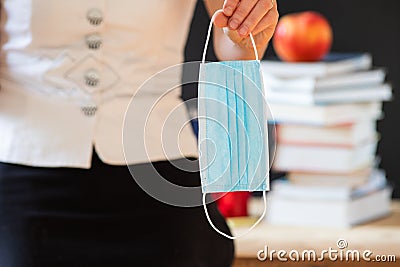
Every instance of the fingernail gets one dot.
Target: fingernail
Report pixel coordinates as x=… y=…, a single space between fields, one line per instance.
x=228 y=11
x=243 y=31
x=233 y=24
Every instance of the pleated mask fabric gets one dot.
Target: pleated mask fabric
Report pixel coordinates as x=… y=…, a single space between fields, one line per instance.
x=233 y=135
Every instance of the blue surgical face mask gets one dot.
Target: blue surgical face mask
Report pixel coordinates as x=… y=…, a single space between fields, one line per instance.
x=233 y=134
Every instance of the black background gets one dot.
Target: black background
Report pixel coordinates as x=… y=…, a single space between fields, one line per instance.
x=359 y=25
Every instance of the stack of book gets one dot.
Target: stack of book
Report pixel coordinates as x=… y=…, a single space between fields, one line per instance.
x=326 y=115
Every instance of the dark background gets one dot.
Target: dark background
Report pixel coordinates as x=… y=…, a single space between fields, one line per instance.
x=359 y=25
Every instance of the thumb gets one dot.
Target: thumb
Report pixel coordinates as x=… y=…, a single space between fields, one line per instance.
x=233 y=35
x=220 y=20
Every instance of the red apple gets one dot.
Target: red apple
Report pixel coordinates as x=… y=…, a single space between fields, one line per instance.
x=233 y=204
x=305 y=36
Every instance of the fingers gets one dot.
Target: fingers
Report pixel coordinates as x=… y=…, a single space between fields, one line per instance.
x=229 y=7
x=269 y=21
x=261 y=8
x=241 y=12
x=248 y=16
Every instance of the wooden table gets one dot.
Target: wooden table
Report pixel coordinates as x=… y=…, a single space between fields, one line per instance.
x=382 y=237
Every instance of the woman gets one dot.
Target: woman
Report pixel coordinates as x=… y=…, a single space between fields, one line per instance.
x=68 y=71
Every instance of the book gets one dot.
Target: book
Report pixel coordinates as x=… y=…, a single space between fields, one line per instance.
x=324 y=115
x=308 y=158
x=332 y=64
x=328 y=213
x=350 y=179
x=283 y=188
x=308 y=84
x=382 y=92
x=349 y=134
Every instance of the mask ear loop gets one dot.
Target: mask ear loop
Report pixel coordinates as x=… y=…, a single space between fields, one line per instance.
x=204 y=194
x=248 y=230
x=209 y=35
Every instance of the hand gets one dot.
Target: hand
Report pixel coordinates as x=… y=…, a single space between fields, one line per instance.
x=258 y=17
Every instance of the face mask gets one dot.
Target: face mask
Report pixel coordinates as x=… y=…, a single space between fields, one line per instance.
x=233 y=134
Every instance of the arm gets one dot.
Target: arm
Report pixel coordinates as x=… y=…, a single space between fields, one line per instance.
x=256 y=16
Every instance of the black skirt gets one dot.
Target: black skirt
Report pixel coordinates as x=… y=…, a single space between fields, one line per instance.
x=101 y=217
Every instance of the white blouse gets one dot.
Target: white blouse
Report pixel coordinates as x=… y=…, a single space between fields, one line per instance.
x=68 y=70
